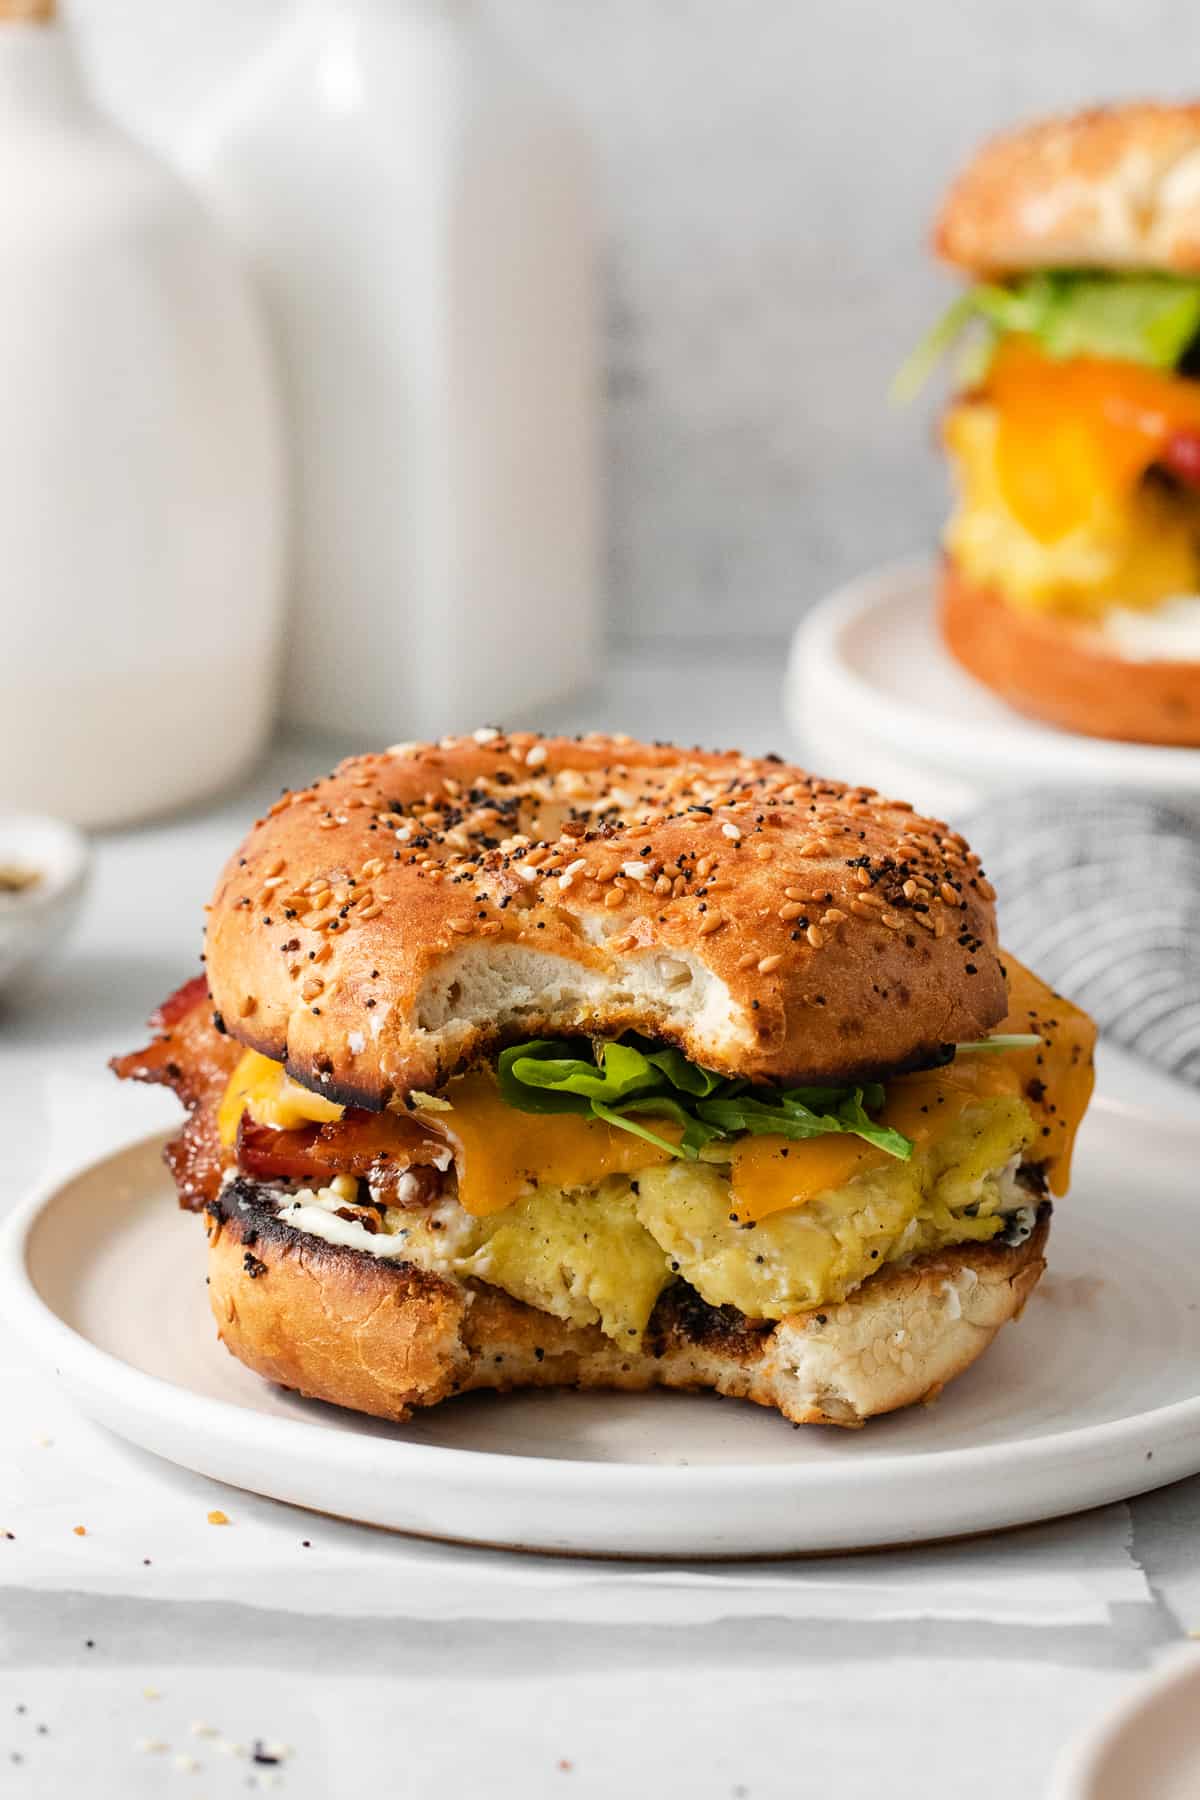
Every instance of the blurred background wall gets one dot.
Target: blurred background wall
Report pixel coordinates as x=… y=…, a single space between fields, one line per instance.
x=768 y=169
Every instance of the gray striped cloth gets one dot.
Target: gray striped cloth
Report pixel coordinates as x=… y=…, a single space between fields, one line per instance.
x=1100 y=893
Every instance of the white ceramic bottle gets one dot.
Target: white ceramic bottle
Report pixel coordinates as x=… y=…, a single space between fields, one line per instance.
x=418 y=213
x=141 y=501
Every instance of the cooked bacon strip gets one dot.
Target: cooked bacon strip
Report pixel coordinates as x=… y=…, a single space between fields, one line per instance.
x=194 y=1057
x=380 y=1147
x=191 y=1056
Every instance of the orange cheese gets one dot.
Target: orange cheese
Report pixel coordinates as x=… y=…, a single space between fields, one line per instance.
x=501 y=1153
x=1077 y=428
x=1054 y=1078
x=267 y=1092
x=1056 y=1075
x=771 y=1174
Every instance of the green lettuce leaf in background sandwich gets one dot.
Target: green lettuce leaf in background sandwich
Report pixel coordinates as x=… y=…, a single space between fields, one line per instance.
x=1144 y=318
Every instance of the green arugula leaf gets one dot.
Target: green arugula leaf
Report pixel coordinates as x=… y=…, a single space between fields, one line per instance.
x=1144 y=318
x=790 y=1118
x=622 y=1083
x=1012 y=1040
x=883 y=1137
x=528 y=1096
x=687 y=1076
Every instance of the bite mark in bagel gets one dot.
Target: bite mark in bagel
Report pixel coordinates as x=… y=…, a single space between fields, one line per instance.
x=645 y=1189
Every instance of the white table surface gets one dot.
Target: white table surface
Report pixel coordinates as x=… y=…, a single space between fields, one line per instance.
x=415 y=1670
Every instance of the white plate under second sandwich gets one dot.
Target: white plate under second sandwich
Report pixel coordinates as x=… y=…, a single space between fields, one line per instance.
x=1093 y=1396
x=873 y=694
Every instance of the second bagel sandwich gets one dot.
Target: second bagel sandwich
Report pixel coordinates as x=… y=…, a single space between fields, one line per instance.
x=1071 y=583
x=529 y=1062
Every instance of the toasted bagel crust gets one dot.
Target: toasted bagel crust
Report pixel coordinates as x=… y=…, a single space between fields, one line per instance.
x=1112 y=188
x=1063 y=673
x=399 y=920
x=384 y=1338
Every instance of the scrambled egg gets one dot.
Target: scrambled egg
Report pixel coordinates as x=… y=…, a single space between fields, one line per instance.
x=1132 y=549
x=602 y=1255
x=583 y=1256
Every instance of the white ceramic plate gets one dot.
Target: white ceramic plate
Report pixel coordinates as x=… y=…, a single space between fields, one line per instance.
x=1148 y=1749
x=875 y=696
x=1095 y=1395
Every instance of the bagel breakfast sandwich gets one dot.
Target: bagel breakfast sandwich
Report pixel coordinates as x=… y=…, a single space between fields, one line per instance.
x=1071 y=579
x=525 y=1061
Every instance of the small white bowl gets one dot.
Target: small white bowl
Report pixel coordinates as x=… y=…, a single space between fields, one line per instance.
x=1147 y=1747
x=34 y=919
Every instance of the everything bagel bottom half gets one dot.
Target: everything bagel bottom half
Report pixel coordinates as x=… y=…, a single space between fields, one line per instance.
x=1065 y=674
x=383 y=1337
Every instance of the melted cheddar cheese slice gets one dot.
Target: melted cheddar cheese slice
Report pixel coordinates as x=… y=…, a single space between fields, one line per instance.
x=1076 y=427
x=502 y=1154
x=1049 y=457
x=267 y=1092
x=1053 y=1078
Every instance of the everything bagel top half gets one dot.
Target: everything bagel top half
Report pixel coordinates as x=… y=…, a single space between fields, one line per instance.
x=539 y=1061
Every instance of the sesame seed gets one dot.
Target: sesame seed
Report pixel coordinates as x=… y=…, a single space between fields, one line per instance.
x=748 y=960
x=614 y=898
x=892 y=920
x=815 y=936
x=949 y=895
x=763 y=852
x=493 y=928
x=462 y=927
x=792 y=910
x=536 y=754
x=768 y=964
x=485 y=734
x=313 y=986
x=730 y=830
x=711 y=922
